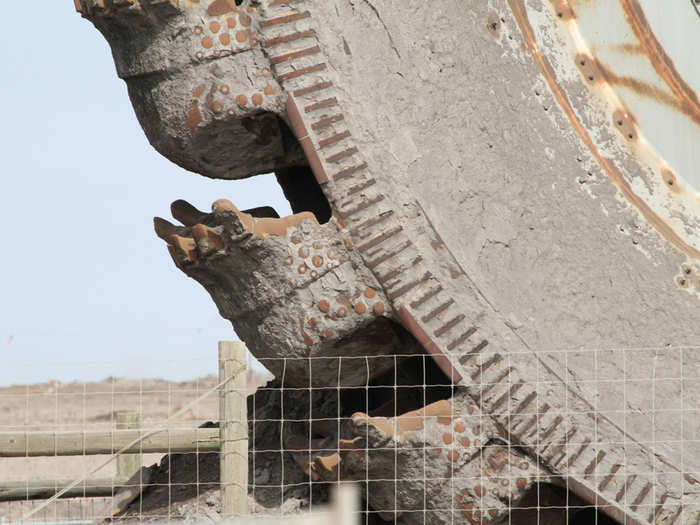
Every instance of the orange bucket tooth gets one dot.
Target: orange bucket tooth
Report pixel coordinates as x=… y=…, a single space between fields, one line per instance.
x=164 y=228
x=187 y=214
x=225 y=205
x=184 y=247
x=208 y=239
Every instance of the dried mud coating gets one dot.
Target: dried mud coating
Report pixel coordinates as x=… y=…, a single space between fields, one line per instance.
x=488 y=208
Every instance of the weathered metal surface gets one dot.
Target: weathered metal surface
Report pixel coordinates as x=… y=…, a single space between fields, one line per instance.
x=497 y=187
x=637 y=59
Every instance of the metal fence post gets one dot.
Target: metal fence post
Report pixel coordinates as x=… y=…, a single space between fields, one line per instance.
x=233 y=428
x=128 y=464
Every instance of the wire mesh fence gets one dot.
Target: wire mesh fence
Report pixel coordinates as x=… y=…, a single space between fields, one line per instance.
x=566 y=437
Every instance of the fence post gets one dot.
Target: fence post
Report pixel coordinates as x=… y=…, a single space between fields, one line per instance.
x=233 y=428
x=128 y=464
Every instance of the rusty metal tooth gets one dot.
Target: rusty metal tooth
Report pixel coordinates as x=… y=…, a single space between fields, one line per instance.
x=208 y=239
x=165 y=228
x=184 y=247
x=187 y=214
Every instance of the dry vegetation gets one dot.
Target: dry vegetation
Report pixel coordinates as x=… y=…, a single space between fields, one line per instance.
x=55 y=406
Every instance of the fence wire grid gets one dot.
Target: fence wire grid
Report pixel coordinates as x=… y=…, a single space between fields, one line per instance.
x=570 y=437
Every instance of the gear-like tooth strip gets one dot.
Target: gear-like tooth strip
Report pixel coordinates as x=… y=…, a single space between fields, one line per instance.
x=286 y=19
x=504 y=397
x=355 y=232
x=462 y=338
x=360 y=187
x=609 y=477
x=327 y=103
x=185 y=248
x=187 y=214
x=380 y=239
x=625 y=487
x=289 y=38
x=208 y=239
x=403 y=290
x=588 y=471
x=320 y=86
x=432 y=293
x=164 y=228
x=449 y=325
x=326 y=122
x=491 y=385
x=343 y=154
x=640 y=497
x=463 y=360
x=373 y=263
x=301 y=72
x=437 y=311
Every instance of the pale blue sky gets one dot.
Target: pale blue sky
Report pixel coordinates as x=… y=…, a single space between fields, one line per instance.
x=87 y=289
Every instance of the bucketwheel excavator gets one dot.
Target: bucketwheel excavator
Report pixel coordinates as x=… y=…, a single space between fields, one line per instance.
x=511 y=187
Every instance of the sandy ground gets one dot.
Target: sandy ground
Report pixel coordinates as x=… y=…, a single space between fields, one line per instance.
x=55 y=406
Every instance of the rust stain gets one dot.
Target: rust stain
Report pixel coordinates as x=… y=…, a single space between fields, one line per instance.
x=520 y=14
x=662 y=63
x=493 y=24
x=640 y=87
x=194 y=116
x=630 y=49
x=670 y=180
x=563 y=10
x=625 y=124
x=307 y=339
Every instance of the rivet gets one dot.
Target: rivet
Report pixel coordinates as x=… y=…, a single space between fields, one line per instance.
x=224 y=89
x=370 y=293
x=241 y=100
x=303 y=268
x=324 y=306
x=207 y=42
x=317 y=261
x=225 y=39
x=342 y=312
x=460 y=427
x=257 y=99
x=479 y=490
x=447 y=439
x=521 y=483
x=215 y=27
x=303 y=252
x=360 y=308
x=378 y=308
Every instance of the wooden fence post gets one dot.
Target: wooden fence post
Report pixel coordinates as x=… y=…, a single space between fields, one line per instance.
x=128 y=464
x=233 y=428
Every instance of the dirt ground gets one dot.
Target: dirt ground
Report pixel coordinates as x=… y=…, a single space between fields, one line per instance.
x=85 y=407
